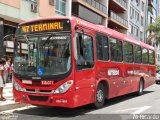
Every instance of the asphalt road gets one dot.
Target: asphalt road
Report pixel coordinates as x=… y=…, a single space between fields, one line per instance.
x=126 y=107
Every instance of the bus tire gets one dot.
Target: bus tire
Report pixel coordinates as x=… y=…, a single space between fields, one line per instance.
x=100 y=96
x=140 y=88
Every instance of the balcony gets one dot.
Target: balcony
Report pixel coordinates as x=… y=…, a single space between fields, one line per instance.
x=115 y=21
x=97 y=5
x=94 y=6
x=120 y=5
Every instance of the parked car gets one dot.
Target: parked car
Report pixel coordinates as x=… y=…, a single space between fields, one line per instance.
x=157 y=77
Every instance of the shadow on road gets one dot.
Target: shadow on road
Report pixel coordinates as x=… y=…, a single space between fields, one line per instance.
x=80 y=111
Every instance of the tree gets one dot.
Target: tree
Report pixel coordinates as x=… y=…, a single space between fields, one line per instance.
x=154 y=29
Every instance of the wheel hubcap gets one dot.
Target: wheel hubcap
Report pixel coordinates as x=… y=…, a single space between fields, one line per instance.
x=99 y=95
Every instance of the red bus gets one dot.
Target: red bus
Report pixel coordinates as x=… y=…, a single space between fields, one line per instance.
x=69 y=62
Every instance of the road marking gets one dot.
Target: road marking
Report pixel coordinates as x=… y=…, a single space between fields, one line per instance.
x=137 y=110
x=140 y=110
x=16 y=109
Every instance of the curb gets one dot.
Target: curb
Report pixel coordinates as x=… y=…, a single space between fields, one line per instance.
x=11 y=106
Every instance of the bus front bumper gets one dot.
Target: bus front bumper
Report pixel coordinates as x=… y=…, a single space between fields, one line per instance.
x=60 y=100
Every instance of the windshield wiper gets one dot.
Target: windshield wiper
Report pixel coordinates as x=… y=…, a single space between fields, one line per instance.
x=48 y=39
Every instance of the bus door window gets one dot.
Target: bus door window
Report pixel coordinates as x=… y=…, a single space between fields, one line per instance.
x=84 y=52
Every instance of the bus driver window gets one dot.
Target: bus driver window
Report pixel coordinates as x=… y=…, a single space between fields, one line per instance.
x=84 y=52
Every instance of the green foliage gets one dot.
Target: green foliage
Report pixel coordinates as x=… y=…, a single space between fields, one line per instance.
x=150 y=9
x=154 y=29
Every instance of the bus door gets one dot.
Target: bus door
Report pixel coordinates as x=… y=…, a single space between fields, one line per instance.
x=84 y=72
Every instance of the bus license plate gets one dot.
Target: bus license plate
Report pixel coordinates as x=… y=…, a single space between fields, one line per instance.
x=45 y=82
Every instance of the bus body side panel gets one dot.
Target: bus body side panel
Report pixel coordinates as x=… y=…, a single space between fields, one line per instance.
x=152 y=73
x=113 y=73
x=129 y=79
x=145 y=72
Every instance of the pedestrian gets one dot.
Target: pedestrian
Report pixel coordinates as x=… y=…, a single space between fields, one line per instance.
x=7 y=70
x=2 y=81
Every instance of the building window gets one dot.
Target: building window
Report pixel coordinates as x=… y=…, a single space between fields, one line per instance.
x=132 y=29
x=129 y=28
x=136 y=32
x=61 y=7
x=131 y=12
x=137 y=1
x=136 y=16
x=141 y=35
x=142 y=21
x=142 y=6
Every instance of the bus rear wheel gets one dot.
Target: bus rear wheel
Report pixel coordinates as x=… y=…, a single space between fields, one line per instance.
x=100 y=96
x=141 y=87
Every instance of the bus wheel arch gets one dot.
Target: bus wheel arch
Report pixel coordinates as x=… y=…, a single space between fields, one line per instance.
x=101 y=94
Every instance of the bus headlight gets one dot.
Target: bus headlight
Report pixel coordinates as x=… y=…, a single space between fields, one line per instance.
x=17 y=86
x=64 y=87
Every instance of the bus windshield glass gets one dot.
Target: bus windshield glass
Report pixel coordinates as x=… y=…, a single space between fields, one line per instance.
x=42 y=55
x=43 y=49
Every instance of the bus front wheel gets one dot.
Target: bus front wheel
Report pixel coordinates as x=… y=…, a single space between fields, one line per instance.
x=100 y=96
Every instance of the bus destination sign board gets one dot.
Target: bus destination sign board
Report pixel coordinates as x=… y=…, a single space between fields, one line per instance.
x=44 y=26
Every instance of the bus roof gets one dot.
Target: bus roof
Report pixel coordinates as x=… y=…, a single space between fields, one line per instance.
x=111 y=33
x=98 y=28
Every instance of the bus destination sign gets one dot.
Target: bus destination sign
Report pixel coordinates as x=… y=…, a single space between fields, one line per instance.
x=44 y=26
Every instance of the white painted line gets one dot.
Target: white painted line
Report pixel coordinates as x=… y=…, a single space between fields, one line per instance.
x=17 y=109
x=141 y=110
x=137 y=110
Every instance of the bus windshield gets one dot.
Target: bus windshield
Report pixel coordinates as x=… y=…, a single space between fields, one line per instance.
x=45 y=56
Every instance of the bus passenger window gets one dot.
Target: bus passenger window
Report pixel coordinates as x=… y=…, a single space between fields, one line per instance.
x=137 y=54
x=85 y=58
x=128 y=52
x=151 y=57
x=102 y=47
x=145 y=58
x=116 y=50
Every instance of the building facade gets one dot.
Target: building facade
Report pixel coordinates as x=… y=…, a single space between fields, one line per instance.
x=130 y=16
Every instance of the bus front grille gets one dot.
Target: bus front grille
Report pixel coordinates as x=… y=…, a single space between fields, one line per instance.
x=38 y=98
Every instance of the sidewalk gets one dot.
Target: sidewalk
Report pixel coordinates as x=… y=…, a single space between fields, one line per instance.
x=9 y=103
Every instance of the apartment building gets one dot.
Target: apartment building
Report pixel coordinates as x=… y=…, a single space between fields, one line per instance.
x=137 y=19
x=118 y=18
x=126 y=16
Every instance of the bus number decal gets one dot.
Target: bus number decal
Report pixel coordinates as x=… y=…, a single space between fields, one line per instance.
x=47 y=82
x=113 y=72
